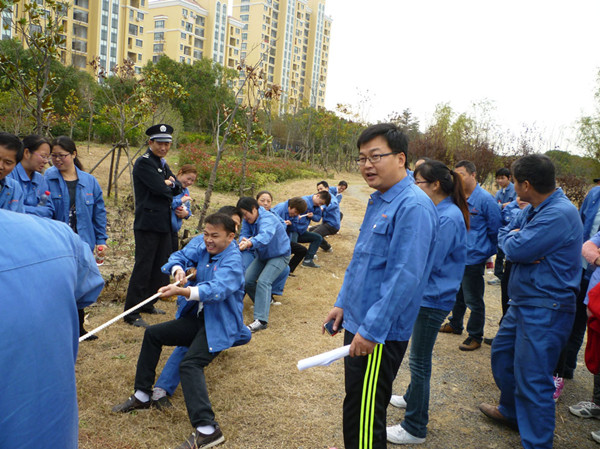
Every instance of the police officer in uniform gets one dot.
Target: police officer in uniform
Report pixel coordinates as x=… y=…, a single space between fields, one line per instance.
x=154 y=185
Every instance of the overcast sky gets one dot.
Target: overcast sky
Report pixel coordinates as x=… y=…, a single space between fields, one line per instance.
x=537 y=61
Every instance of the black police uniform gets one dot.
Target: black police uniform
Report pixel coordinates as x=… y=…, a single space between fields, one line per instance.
x=152 y=225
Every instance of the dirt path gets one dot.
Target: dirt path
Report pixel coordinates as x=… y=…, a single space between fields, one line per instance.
x=262 y=401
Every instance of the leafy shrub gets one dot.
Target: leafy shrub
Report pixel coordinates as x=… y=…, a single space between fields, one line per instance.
x=260 y=170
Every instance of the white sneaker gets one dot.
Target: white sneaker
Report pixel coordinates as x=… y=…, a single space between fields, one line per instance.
x=398 y=401
x=397 y=435
x=256 y=326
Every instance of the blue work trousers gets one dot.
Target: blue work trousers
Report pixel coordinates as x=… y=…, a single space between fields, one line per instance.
x=470 y=294
x=169 y=376
x=422 y=341
x=260 y=276
x=524 y=354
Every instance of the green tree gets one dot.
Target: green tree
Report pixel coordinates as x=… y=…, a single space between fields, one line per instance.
x=30 y=72
x=588 y=130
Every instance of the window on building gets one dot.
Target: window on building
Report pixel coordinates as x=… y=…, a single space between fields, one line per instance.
x=140 y=15
x=159 y=36
x=245 y=18
x=133 y=29
x=155 y=59
x=139 y=43
x=183 y=35
x=184 y=12
x=81 y=16
x=158 y=48
x=159 y=24
x=245 y=8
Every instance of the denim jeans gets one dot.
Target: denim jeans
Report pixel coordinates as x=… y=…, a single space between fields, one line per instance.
x=260 y=276
x=524 y=353
x=470 y=295
x=423 y=338
x=169 y=376
x=315 y=241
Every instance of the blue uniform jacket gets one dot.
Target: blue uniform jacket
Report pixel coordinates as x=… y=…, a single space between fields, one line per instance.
x=588 y=211
x=220 y=284
x=33 y=189
x=91 y=214
x=282 y=211
x=545 y=253
x=392 y=260
x=317 y=214
x=506 y=195
x=334 y=193
x=176 y=222
x=449 y=260
x=51 y=273
x=11 y=195
x=482 y=237
x=331 y=214
x=267 y=234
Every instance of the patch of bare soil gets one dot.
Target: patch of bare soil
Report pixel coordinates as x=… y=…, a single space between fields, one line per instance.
x=260 y=398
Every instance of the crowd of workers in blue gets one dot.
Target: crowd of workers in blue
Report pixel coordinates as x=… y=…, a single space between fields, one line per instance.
x=421 y=254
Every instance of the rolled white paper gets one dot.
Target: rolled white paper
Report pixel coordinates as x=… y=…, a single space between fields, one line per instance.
x=324 y=359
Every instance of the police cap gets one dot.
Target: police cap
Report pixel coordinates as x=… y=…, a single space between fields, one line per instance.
x=160 y=133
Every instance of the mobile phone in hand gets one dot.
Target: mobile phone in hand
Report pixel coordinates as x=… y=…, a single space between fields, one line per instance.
x=329 y=327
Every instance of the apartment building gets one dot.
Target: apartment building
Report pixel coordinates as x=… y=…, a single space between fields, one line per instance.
x=289 y=40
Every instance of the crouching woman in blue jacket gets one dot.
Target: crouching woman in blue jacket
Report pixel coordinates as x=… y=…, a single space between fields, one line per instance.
x=77 y=199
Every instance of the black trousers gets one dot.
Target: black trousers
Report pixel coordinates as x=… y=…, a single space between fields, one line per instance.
x=189 y=331
x=368 y=383
x=152 y=250
x=298 y=254
x=324 y=230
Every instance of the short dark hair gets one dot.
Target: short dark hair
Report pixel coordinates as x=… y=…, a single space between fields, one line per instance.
x=503 y=172
x=224 y=220
x=343 y=183
x=468 y=165
x=12 y=143
x=230 y=211
x=247 y=203
x=395 y=138
x=298 y=203
x=538 y=170
x=325 y=183
x=325 y=196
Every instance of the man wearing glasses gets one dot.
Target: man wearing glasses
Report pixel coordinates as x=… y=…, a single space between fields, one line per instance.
x=380 y=298
x=154 y=185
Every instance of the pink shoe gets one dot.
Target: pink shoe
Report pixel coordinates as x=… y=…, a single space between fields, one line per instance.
x=559 y=384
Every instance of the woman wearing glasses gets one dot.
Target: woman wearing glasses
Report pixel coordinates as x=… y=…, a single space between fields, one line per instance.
x=444 y=187
x=28 y=173
x=77 y=199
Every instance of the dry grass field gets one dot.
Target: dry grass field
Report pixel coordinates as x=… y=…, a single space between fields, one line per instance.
x=260 y=398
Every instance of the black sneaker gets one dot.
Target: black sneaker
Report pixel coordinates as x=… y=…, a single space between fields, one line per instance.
x=153 y=311
x=138 y=322
x=199 y=440
x=131 y=404
x=310 y=264
x=162 y=403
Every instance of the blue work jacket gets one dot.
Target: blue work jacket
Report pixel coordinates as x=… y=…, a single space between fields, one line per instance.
x=176 y=222
x=545 y=253
x=449 y=260
x=282 y=211
x=89 y=203
x=11 y=195
x=46 y=273
x=482 y=237
x=588 y=210
x=509 y=212
x=506 y=195
x=33 y=189
x=334 y=193
x=331 y=214
x=391 y=264
x=220 y=285
x=317 y=214
x=268 y=235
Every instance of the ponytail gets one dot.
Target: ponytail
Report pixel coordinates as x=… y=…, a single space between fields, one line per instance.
x=459 y=197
